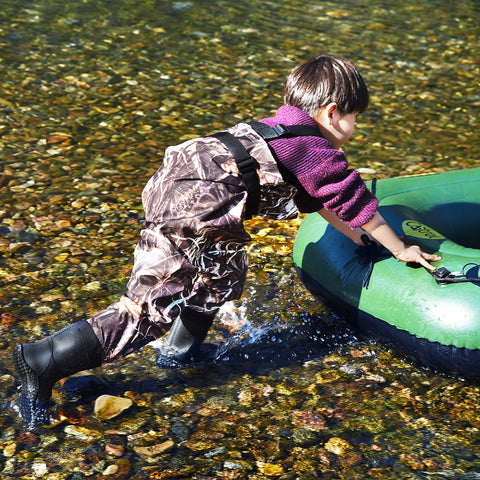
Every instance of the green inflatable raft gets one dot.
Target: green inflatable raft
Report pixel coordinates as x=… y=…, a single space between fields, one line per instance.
x=433 y=318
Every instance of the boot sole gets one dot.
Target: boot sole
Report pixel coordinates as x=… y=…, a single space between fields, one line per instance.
x=32 y=412
x=29 y=379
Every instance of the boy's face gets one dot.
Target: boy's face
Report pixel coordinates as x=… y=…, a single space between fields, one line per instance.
x=336 y=127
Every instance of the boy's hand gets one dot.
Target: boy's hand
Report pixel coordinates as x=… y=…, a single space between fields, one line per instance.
x=413 y=253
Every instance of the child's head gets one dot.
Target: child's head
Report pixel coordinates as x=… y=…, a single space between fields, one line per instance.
x=323 y=80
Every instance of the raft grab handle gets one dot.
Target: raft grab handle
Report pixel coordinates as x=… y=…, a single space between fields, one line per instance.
x=443 y=276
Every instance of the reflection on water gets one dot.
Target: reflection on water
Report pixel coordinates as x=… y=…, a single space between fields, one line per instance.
x=92 y=92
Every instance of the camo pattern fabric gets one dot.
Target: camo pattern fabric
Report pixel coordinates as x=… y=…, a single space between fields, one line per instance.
x=192 y=251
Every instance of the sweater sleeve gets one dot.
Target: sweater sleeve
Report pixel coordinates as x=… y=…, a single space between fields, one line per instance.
x=340 y=188
x=323 y=172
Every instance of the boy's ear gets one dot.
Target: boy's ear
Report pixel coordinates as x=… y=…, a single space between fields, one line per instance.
x=331 y=109
x=325 y=114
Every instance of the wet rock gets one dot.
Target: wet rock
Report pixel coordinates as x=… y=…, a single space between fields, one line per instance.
x=82 y=433
x=155 y=450
x=200 y=445
x=132 y=425
x=39 y=469
x=111 y=470
x=215 y=452
x=270 y=469
x=108 y=406
x=9 y=449
x=338 y=446
x=114 y=450
x=308 y=420
x=237 y=465
x=304 y=437
x=180 y=430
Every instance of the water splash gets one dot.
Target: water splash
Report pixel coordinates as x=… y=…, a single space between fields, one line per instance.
x=275 y=342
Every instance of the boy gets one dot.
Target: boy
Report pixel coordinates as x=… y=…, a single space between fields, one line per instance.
x=191 y=257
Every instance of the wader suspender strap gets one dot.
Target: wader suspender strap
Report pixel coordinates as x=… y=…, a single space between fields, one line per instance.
x=247 y=165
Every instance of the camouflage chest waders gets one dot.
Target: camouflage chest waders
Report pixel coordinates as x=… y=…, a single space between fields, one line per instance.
x=192 y=250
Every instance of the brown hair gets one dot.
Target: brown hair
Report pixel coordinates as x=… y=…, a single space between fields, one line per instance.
x=323 y=80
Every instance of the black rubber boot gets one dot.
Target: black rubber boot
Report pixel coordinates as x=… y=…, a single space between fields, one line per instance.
x=40 y=365
x=182 y=345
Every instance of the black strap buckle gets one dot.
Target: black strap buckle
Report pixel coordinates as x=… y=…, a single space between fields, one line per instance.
x=441 y=275
x=247 y=165
x=280 y=129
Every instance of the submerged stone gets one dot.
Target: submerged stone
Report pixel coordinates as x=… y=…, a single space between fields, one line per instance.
x=152 y=451
x=82 y=433
x=270 y=469
x=108 y=406
x=338 y=446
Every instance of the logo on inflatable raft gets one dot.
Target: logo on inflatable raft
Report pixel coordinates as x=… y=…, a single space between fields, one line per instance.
x=419 y=230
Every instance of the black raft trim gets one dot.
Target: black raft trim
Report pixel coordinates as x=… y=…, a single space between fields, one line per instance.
x=439 y=357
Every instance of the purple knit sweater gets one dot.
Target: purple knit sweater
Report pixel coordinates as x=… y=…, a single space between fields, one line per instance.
x=322 y=171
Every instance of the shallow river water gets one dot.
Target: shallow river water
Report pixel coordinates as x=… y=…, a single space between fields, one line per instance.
x=91 y=93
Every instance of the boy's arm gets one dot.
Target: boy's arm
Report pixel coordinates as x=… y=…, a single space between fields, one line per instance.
x=354 y=234
x=378 y=229
x=381 y=231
